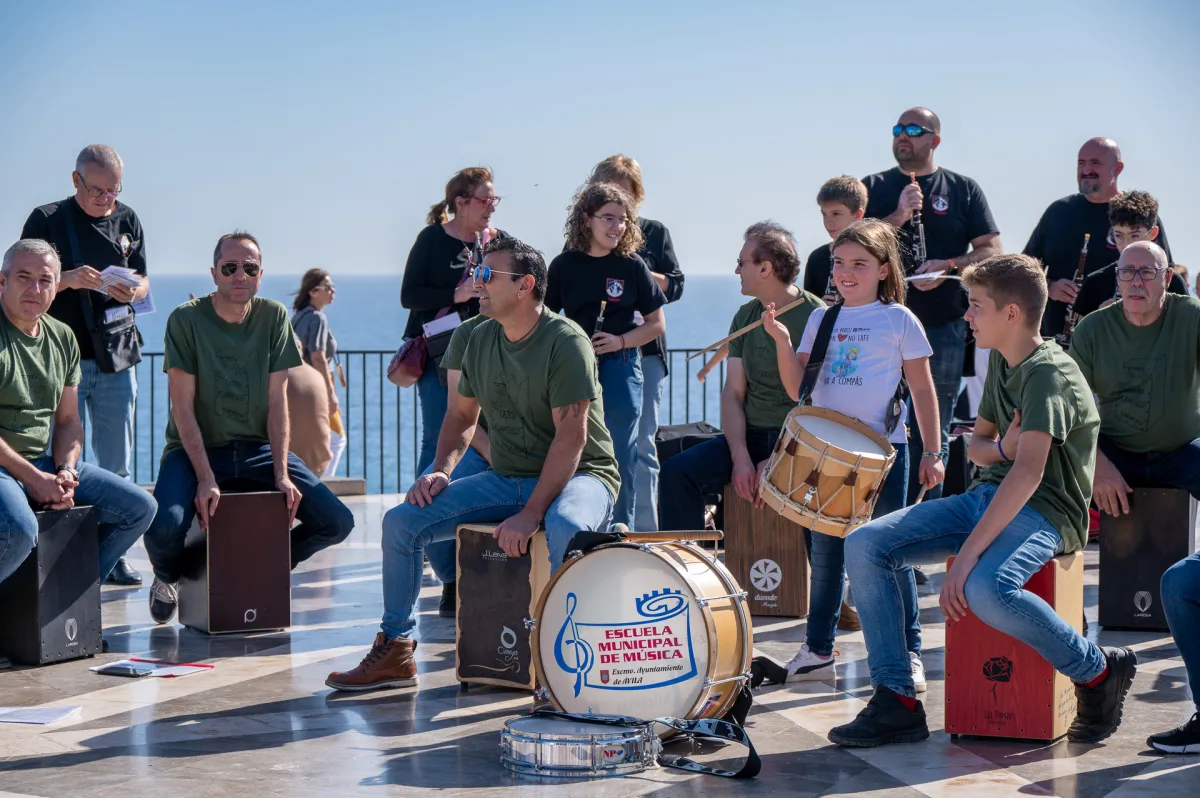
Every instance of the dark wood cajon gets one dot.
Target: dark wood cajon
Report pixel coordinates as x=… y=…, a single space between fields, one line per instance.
x=996 y=686
x=1135 y=551
x=766 y=554
x=237 y=575
x=50 y=606
x=497 y=594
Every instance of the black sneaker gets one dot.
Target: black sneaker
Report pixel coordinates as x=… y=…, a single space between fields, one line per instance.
x=163 y=601
x=1098 y=712
x=1184 y=740
x=449 y=604
x=123 y=574
x=885 y=720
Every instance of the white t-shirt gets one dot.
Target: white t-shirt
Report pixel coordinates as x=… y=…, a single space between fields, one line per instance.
x=864 y=361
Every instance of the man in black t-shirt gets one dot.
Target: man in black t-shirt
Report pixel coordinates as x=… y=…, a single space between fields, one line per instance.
x=108 y=233
x=1058 y=238
x=959 y=231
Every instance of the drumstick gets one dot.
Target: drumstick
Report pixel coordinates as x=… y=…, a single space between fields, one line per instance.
x=921 y=495
x=694 y=534
x=744 y=330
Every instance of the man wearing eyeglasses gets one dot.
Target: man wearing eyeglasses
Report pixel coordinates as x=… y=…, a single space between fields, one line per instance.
x=227 y=357
x=92 y=231
x=959 y=231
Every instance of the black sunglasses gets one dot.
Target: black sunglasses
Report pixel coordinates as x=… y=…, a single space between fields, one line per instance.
x=912 y=131
x=229 y=269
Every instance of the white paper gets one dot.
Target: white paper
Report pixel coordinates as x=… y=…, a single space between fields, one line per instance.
x=447 y=322
x=920 y=278
x=36 y=715
x=144 y=305
x=113 y=314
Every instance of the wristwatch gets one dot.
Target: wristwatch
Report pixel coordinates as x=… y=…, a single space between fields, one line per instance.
x=74 y=474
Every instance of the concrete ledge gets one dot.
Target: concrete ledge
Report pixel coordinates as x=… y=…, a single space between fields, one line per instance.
x=341 y=486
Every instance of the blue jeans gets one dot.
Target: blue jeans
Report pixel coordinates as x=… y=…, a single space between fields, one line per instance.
x=239 y=466
x=1177 y=469
x=949 y=342
x=1181 y=603
x=441 y=555
x=826 y=555
x=106 y=405
x=933 y=530
x=434 y=400
x=701 y=471
x=123 y=512
x=621 y=385
x=488 y=498
x=645 y=514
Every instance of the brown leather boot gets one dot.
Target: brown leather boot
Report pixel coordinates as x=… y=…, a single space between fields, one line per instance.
x=389 y=663
x=848 y=619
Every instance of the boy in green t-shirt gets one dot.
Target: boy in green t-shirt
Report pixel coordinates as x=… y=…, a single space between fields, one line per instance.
x=1035 y=438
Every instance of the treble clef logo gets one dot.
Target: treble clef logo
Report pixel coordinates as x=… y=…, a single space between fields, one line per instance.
x=568 y=636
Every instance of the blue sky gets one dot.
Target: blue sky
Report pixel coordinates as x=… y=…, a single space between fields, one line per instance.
x=328 y=129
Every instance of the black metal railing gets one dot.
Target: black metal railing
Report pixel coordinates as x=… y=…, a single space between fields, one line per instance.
x=383 y=422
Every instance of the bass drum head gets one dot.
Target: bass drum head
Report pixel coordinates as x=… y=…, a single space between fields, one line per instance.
x=619 y=633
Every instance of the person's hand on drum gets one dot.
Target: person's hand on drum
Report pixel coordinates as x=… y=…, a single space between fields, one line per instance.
x=932 y=471
x=954 y=597
x=1110 y=491
x=514 y=532
x=744 y=478
x=426 y=487
x=758 y=481
x=774 y=327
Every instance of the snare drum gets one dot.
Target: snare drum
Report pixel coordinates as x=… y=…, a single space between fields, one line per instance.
x=644 y=630
x=576 y=749
x=826 y=471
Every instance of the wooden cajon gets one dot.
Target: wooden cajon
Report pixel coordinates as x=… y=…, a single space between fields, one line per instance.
x=237 y=575
x=50 y=606
x=497 y=594
x=765 y=553
x=1135 y=551
x=997 y=686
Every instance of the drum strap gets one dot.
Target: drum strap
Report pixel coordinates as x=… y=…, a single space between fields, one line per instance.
x=817 y=359
x=703 y=728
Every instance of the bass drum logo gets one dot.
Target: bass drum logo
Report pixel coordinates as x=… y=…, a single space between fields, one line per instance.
x=766 y=575
x=72 y=629
x=1142 y=600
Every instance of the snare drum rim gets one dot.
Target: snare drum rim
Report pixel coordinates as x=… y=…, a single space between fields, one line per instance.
x=888 y=454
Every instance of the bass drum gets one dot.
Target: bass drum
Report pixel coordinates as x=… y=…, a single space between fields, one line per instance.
x=643 y=630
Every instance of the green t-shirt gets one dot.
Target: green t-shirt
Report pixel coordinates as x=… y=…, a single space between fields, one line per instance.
x=767 y=401
x=231 y=363
x=1147 y=379
x=1053 y=397
x=518 y=385
x=33 y=373
x=452 y=358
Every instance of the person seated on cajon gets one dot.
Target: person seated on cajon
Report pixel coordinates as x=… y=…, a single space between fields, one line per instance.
x=754 y=403
x=1035 y=438
x=534 y=374
x=227 y=357
x=39 y=378
x=1141 y=358
x=1180 y=591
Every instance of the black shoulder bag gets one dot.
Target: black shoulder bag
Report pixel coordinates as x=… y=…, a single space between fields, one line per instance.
x=117 y=345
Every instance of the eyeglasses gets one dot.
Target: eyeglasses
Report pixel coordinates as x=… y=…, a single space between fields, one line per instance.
x=110 y=193
x=912 y=131
x=230 y=268
x=483 y=274
x=1148 y=273
x=491 y=202
x=613 y=221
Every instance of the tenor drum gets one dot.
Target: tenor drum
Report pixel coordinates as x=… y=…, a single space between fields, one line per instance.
x=643 y=630
x=826 y=471
x=563 y=748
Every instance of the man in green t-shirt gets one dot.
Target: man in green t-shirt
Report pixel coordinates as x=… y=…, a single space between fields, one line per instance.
x=39 y=379
x=534 y=374
x=1035 y=439
x=227 y=357
x=754 y=403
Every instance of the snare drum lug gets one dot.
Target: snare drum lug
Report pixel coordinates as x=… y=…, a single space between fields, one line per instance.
x=531 y=624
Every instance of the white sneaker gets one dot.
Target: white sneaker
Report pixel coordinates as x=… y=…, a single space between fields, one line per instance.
x=164 y=598
x=918 y=672
x=809 y=667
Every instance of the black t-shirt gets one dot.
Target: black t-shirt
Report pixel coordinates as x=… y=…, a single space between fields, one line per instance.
x=955 y=213
x=659 y=255
x=817 y=270
x=113 y=240
x=1101 y=286
x=578 y=283
x=434 y=269
x=1058 y=239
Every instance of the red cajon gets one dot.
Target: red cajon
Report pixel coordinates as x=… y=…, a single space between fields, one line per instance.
x=996 y=686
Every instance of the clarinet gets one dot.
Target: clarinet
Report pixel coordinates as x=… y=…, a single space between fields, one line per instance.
x=1064 y=337
x=831 y=292
x=919 y=253
x=600 y=319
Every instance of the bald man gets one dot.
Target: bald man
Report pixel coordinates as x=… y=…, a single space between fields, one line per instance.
x=959 y=231
x=1058 y=237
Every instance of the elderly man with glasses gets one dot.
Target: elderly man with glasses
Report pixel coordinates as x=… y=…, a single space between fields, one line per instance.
x=227 y=357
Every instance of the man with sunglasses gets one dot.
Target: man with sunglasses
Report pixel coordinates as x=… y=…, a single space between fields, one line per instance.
x=534 y=374
x=959 y=231
x=1058 y=237
x=92 y=231
x=227 y=357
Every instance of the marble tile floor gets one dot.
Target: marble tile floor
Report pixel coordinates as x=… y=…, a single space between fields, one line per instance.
x=263 y=723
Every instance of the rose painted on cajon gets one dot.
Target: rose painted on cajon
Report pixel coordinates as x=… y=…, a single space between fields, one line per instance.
x=997 y=670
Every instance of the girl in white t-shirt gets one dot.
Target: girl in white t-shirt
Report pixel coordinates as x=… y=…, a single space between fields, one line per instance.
x=875 y=339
